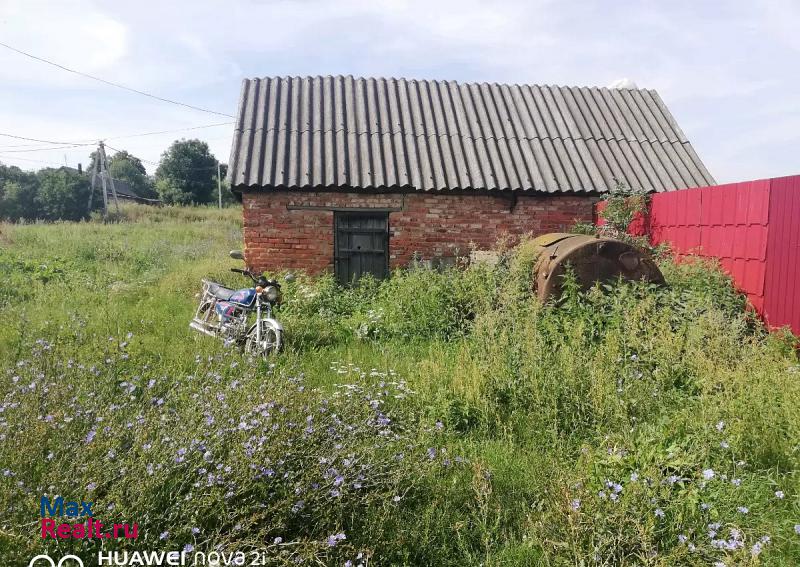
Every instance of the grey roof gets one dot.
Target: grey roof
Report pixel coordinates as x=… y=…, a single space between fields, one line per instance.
x=345 y=132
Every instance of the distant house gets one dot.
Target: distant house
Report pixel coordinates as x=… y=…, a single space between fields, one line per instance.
x=124 y=190
x=126 y=193
x=361 y=175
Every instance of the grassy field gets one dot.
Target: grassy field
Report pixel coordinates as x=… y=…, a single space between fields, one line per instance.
x=434 y=419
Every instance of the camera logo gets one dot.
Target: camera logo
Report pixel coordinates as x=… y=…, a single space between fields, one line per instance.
x=47 y=561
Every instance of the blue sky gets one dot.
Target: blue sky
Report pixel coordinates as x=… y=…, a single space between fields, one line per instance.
x=729 y=71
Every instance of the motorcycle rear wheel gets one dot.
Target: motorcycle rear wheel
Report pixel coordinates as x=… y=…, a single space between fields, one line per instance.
x=271 y=341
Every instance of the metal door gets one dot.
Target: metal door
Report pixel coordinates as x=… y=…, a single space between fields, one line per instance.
x=361 y=245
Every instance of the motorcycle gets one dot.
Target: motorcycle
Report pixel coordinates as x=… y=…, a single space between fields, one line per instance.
x=226 y=313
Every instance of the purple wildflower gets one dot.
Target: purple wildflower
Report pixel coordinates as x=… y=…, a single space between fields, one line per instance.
x=335 y=538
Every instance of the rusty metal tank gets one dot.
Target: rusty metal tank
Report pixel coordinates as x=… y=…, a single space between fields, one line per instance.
x=593 y=259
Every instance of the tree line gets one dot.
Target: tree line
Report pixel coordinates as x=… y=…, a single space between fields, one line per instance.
x=186 y=174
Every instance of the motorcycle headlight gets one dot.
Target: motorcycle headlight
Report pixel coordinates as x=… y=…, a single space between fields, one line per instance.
x=271 y=293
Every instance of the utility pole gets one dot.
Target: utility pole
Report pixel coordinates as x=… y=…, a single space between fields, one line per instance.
x=219 y=183
x=101 y=171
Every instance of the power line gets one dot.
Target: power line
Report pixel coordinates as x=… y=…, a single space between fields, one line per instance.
x=111 y=83
x=4 y=155
x=156 y=164
x=140 y=159
x=93 y=141
x=33 y=139
x=170 y=131
x=50 y=148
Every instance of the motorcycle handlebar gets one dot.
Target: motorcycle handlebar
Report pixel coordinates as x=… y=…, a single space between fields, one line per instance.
x=247 y=273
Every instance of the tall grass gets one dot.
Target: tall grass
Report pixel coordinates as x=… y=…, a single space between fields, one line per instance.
x=437 y=418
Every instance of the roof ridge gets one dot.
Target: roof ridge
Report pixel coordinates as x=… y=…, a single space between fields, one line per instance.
x=446 y=81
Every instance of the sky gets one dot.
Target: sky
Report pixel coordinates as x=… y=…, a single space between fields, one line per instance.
x=728 y=70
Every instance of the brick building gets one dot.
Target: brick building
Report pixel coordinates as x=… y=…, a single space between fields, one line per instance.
x=362 y=175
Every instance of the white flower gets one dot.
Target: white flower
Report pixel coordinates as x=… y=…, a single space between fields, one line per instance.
x=779 y=494
x=708 y=474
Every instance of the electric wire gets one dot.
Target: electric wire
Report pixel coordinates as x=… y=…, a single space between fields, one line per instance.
x=93 y=141
x=111 y=83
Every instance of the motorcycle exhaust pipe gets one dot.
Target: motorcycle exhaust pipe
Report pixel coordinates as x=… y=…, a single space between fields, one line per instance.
x=199 y=327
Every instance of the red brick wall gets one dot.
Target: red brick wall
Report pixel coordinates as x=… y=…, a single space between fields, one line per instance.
x=430 y=225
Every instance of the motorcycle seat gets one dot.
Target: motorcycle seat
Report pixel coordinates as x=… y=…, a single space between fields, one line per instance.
x=219 y=291
x=244 y=297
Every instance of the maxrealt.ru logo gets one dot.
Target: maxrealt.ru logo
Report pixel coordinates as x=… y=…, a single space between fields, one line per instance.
x=84 y=525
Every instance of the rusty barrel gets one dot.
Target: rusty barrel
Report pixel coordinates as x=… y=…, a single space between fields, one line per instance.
x=593 y=259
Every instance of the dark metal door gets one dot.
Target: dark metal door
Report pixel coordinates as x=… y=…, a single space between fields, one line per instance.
x=361 y=245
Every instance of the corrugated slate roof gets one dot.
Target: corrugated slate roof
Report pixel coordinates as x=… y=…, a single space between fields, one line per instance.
x=345 y=132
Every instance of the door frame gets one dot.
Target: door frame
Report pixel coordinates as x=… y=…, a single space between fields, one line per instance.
x=339 y=214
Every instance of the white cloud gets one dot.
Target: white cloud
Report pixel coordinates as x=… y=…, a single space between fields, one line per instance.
x=74 y=33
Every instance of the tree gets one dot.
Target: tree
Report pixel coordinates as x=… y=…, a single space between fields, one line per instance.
x=18 y=202
x=127 y=167
x=18 y=194
x=63 y=194
x=187 y=173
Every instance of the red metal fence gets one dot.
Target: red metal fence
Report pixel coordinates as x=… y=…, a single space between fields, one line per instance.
x=752 y=227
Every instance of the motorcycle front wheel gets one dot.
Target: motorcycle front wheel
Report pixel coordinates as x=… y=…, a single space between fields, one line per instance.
x=271 y=340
